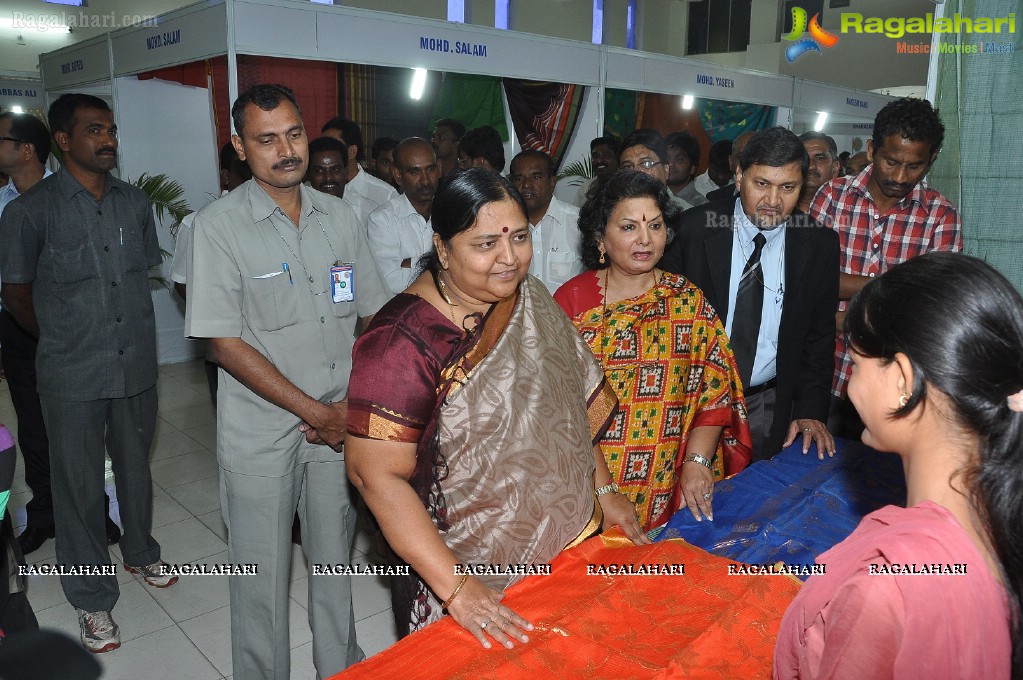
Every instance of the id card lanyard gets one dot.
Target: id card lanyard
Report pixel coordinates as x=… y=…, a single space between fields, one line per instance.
x=341 y=274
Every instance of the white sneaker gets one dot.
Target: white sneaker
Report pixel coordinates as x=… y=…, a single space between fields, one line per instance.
x=99 y=632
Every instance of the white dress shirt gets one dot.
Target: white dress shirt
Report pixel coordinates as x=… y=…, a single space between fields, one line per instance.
x=772 y=263
x=9 y=192
x=557 y=245
x=704 y=184
x=182 y=250
x=397 y=232
x=372 y=194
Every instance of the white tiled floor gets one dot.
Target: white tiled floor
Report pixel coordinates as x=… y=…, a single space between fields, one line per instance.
x=184 y=631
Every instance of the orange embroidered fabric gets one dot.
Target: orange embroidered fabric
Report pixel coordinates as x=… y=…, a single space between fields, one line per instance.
x=703 y=624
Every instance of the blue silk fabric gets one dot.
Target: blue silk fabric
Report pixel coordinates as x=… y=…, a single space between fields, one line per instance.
x=793 y=507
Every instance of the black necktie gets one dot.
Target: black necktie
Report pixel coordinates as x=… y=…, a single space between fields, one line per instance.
x=749 y=307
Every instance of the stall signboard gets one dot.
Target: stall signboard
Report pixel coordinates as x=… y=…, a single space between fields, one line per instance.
x=839 y=101
x=28 y=94
x=642 y=72
x=180 y=37
x=341 y=34
x=84 y=62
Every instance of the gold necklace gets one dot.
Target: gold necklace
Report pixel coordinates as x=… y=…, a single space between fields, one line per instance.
x=443 y=290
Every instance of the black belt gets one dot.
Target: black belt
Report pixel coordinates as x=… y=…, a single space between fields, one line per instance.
x=757 y=389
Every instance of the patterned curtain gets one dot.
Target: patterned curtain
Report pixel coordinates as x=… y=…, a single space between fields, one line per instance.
x=357 y=97
x=544 y=114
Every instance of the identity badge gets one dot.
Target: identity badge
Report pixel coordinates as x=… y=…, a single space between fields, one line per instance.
x=342 y=282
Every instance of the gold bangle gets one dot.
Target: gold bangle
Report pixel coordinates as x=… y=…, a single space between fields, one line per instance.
x=455 y=594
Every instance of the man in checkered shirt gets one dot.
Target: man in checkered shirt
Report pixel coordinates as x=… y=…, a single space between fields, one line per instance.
x=885 y=215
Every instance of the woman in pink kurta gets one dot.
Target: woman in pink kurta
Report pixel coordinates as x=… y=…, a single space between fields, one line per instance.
x=931 y=590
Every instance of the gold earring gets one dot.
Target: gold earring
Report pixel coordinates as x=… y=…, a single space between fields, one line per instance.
x=602 y=260
x=903 y=400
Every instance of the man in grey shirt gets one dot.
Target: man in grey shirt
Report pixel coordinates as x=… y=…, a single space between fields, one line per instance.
x=280 y=274
x=78 y=247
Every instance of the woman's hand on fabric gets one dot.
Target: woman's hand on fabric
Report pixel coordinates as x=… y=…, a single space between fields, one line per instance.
x=478 y=609
x=620 y=511
x=812 y=431
x=697 y=484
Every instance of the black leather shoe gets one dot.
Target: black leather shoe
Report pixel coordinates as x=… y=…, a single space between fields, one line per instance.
x=33 y=537
x=113 y=532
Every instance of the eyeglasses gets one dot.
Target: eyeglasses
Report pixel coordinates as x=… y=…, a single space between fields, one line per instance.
x=13 y=139
x=646 y=165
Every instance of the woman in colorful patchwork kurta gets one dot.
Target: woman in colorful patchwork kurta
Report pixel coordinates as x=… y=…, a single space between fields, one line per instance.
x=682 y=418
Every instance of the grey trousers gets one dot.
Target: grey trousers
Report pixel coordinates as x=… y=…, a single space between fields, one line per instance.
x=258 y=512
x=80 y=432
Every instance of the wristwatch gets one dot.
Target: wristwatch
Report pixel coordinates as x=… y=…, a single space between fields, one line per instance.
x=608 y=488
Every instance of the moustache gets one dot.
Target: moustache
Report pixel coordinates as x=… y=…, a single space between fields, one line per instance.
x=106 y=150
x=898 y=185
x=287 y=163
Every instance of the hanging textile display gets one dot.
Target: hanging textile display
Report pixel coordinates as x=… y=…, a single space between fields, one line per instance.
x=544 y=114
x=727 y=120
x=474 y=100
x=621 y=110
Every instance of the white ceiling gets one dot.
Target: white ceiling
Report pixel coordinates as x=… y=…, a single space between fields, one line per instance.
x=20 y=47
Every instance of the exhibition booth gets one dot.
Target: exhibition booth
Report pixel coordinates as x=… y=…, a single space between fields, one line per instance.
x=171 y=86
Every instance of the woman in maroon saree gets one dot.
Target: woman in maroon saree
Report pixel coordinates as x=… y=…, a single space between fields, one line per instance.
x=474 y=410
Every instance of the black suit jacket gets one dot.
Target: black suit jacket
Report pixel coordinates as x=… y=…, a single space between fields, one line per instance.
x=702 y=252
x=727 y=192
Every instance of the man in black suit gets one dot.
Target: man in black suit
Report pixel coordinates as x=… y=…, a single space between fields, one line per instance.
x=768 y=270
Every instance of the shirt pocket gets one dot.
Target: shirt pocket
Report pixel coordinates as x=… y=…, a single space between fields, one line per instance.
x=72 y=262
x=270 y=303
x=134 y=251
x=342 y=310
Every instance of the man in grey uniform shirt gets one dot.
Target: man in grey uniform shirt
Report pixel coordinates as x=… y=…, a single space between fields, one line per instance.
x=278 y=277
x=78 y=247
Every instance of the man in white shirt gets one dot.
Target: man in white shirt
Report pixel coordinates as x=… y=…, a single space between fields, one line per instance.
x=720 y=168
x=553 y=225
x=371 y=193
x=400 y=231
x=233 y=173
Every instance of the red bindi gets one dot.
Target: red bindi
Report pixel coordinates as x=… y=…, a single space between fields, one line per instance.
x=505 y=230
